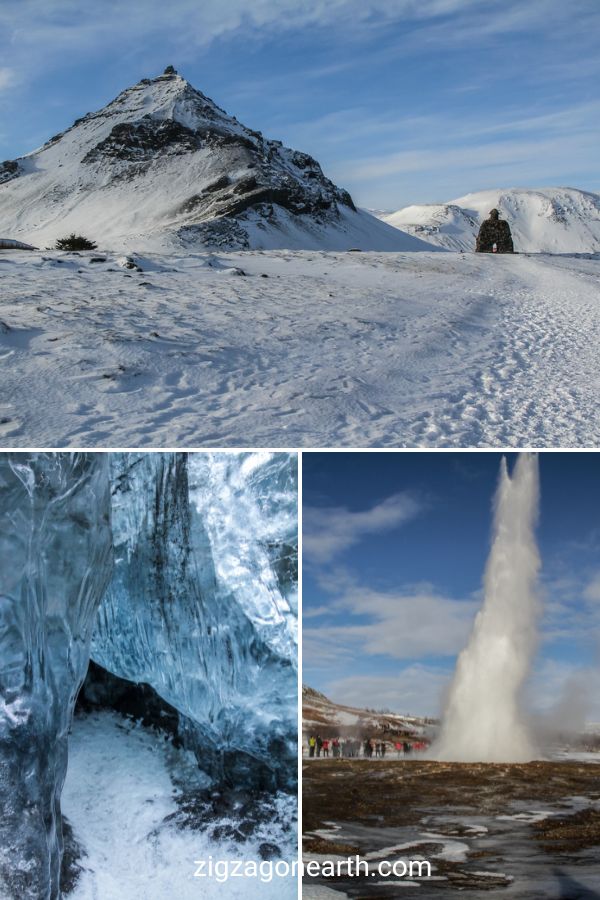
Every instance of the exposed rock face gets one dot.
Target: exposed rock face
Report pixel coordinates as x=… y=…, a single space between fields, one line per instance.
x=142 y=141
x=494 y=231
x=8 y=170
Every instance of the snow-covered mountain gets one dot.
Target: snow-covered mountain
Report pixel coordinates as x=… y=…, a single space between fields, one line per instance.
x=162 y=165
x=546 y=220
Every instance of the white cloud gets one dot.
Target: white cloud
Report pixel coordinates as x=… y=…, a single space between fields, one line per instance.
x=7 y=78
x=313 y=612
x=185 y=26
x=414 y=690
x=565 y=694
x=477 y=157
x=400 y=626
x=591 y=591
x=571 y=608
x=328 y=531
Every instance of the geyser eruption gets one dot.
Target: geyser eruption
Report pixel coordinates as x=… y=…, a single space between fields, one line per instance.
x=482 y=721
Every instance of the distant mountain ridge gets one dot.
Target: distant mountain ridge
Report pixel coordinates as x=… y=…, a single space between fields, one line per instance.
x=322 y=715
x=546 y=220
x=163 y=166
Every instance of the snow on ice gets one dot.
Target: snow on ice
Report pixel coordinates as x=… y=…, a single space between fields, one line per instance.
x=121 y=782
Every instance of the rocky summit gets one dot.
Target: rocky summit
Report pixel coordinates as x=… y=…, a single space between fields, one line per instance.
x=163 y=165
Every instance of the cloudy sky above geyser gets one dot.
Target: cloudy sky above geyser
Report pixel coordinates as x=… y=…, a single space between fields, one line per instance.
x=395 y=546
x=401 y=101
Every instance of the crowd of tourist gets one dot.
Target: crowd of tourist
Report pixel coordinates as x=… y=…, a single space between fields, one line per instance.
x=350 y=748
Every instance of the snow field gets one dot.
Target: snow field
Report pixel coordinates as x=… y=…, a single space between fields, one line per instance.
x=330 y=349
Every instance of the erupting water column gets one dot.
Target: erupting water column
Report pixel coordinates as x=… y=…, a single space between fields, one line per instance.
x=482 y=720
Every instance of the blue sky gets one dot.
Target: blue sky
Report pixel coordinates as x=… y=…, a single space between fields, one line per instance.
x=401 y=101
x=394 y=550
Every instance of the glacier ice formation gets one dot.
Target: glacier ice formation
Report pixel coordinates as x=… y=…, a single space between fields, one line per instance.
x=200 y=603
x=55 y=562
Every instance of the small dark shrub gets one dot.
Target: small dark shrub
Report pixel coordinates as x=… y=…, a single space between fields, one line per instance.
x=75 y=242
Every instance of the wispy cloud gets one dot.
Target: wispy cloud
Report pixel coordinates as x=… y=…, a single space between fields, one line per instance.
x=58 y=25
x=328 y=531
x=413 y=690
x=484 y=147
x=476 y=156
x=403 y=624
x=391 y=141
x=592 y=590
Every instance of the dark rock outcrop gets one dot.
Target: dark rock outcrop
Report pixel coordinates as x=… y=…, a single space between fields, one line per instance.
x=494 y=231
x=278 y=177
x=9 y=170
x=144 y=140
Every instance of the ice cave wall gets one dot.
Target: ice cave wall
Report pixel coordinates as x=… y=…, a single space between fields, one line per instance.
x=200 y=604
x=203 y=605
x=55 y=562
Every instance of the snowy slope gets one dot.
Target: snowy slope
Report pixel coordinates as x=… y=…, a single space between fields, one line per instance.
x=547 y=220
x=163 y=166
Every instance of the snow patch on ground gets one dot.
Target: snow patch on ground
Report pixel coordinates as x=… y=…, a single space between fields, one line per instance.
x=320 y=892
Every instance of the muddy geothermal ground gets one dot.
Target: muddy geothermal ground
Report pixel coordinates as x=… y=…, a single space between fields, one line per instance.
x=526 y=831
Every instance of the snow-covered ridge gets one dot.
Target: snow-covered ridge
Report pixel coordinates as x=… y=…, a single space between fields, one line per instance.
x=162 y=166
x=320 y=714
x=542 y=220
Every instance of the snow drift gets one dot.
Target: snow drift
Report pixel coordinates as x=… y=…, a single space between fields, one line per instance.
x=162 y=167
x=543 y=220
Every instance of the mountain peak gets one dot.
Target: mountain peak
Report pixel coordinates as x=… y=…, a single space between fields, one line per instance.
x=162 y=159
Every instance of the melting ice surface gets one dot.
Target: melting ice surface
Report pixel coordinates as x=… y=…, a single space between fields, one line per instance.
x=482 y=721
x=200 y=603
